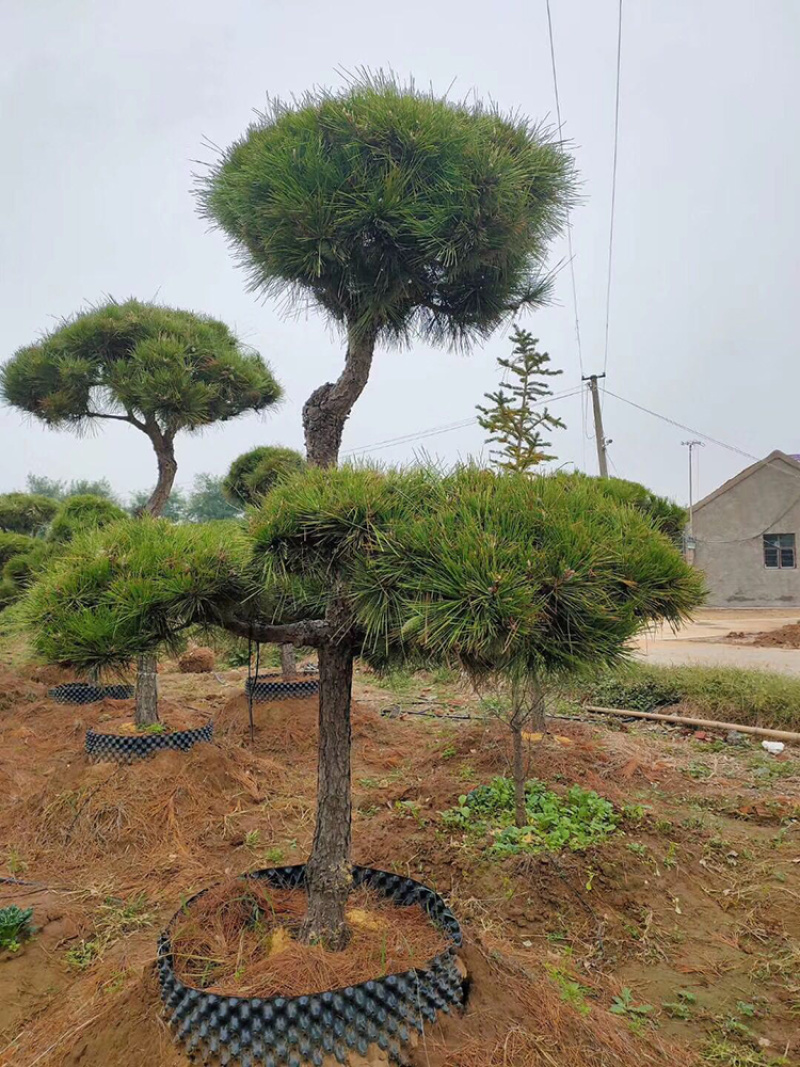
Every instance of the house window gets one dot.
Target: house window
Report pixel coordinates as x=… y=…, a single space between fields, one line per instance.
x=779 y=551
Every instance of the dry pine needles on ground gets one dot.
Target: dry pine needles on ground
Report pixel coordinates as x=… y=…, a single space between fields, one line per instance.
x=240 y=939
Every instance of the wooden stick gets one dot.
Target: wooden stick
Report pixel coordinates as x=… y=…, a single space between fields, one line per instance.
x=711 y=724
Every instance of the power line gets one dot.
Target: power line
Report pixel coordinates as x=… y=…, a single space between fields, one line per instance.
x=707 y=437
x=569 y=221
x=613 y=185
x=435 y=430
x=682 y=426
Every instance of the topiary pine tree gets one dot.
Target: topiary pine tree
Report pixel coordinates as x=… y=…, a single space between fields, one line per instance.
x=256 y=473
x=24 y=560
x=503 y=573
x=159 y=369
x=82 y=512
x=514 y=421
x=26 y=513
x=397 y=214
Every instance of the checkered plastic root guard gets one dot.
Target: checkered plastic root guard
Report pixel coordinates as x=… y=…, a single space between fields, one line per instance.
x=86 y=693
x=298 y=1031
x=126 y=749
x=267 y=687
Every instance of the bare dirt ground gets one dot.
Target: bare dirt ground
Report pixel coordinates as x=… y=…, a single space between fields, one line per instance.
x=706 y=641
x=676 y=942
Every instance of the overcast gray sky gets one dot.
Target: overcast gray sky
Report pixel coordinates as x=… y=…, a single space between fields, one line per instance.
x=105 y=104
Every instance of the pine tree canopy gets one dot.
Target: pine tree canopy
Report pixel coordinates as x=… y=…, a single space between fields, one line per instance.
x=667 y=516
x=82 y=512
x=155 y=367
x=26 y=513
x=499 y=572
x=393 y=210
x=256 y=473
x=514 y=418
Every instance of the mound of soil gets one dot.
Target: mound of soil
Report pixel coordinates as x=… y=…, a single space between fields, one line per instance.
x=786 y=637
x=197 y=661
x=240 y=939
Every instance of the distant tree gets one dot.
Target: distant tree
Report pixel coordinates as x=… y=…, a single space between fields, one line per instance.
x=158 y=369
x=513 y=419
x=44 y=486
x=26 y=513
x=59 y=490
x=398 y=214
x=500 y=573
x=174 y=509
x=256 y=473
x=208 y=502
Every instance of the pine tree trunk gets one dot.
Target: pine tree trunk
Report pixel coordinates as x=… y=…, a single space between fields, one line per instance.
x=537 y=719
x=520 y=811
x=167 y=469
x=328 y=871
x=146 y=711
x=328 y=408
x=288 y=663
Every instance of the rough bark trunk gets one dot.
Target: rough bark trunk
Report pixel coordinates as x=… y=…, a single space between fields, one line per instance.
x=146 y=711
x=328 y=871
x=288 y=663
x=328 y=408
x=167 y=469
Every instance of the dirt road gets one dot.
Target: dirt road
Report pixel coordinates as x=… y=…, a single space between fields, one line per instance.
x=702 y=641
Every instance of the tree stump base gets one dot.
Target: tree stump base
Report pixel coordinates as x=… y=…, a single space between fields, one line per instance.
x=341 y=1023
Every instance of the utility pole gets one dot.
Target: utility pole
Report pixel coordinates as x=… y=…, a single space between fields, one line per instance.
x=599 y=435
x=691 y=445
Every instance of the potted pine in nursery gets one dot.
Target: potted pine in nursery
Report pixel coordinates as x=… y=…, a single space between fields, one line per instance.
x=500 y=572
x=162 y=371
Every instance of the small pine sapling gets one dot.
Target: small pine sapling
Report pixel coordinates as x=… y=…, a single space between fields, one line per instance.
x=513 y=419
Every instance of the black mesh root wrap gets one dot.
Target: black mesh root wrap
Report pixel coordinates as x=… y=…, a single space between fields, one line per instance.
x=301 y=1031
x=269 y=687
x=126 y=749
x=86 y=693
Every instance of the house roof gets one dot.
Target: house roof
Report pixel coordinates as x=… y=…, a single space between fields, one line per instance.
x=791 y=461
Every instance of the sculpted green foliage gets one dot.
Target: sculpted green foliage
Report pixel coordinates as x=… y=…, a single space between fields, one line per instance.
x=25 y=513
x=393 y=210
x=495 y=571
x=256 y=473
x=12 y=544
x=79 y=513
x=141 y=363
x=667 y=516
